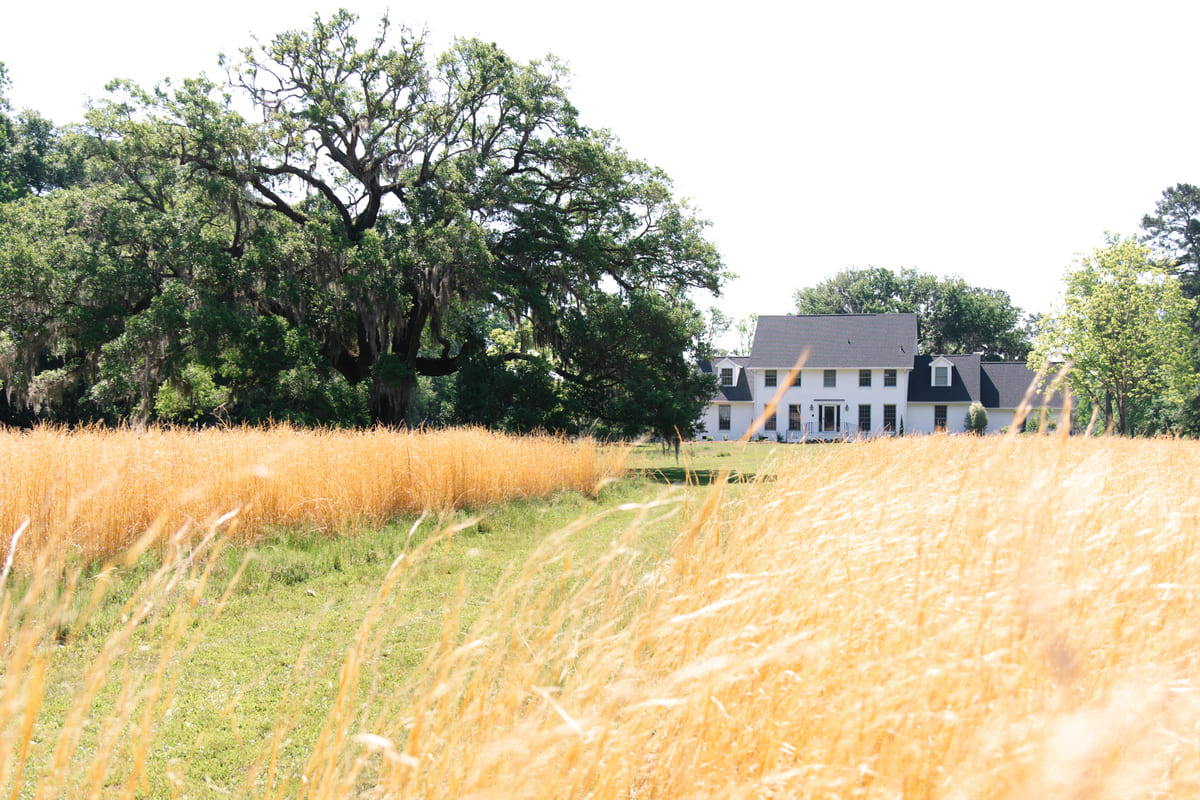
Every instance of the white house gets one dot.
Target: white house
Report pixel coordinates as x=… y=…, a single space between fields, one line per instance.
x=860 y=375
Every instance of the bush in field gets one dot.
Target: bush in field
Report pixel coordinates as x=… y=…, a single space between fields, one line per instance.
x=977 y=419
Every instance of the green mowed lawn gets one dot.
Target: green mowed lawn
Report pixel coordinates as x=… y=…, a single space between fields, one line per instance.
x=267 y=665
x=700 y=463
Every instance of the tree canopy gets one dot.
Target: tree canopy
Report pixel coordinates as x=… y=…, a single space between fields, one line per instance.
x=363 y=224
x=953 y=317
x=1123 y=328
x=1174 y=231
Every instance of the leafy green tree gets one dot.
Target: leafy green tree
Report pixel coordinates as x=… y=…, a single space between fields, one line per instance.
x=519 y=396
x=718 y=325
x=977 y=419
x=414 y=200
x=35 y=157
x=953 y=316
x=341 y=258
x=1174 y=231
x=9 y=188
x=745 y=330
x=116 y=309
x=869 y=290
x=622 y=366
x=630 y=367
x=1124 y=327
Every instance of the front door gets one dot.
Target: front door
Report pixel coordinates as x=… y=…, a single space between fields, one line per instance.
x=831 y=418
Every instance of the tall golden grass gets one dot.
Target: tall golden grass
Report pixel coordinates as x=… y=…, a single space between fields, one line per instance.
x=95 y=491
x=935 y=617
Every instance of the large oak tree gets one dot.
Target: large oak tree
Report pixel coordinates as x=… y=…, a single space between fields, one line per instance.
x=381 y=208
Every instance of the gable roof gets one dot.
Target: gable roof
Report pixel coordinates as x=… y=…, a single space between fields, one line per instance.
x=740 y=391
x=844 y=341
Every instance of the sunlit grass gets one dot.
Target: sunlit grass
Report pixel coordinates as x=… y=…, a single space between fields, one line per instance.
x=93 y=492
x=923 y=617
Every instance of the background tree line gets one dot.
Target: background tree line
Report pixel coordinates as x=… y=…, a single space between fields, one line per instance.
x=348 y=232
x=1127 y=325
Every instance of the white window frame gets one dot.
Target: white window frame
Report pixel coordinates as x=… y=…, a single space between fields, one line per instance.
x=941 y=368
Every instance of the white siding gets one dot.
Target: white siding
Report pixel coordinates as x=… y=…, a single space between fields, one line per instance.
x=812 y=392
x=740 y=417
x=920 y=417
x=999 y=418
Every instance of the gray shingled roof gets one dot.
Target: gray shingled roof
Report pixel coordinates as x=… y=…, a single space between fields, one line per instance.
x=1005 y=383
x=964 y=381
x=845 y=341
x=996 y=384
x=740 y=391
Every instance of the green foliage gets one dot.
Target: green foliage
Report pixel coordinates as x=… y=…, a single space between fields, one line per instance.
x=977 y=419
x=953 y=317
x=718 y=324
x=1124 y=327
x=35 y=157
x=628 y=368
x=191 y=397
x=337 y=253
x=745 y=330
x=518 y=396
x=1174 y=231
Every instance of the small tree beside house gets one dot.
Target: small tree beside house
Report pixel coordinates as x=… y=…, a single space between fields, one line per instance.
x=977 y=419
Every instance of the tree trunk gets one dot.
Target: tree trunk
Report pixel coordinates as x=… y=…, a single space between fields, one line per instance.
x=388 y=401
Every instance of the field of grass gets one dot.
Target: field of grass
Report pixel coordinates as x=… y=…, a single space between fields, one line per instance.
x=942 y=617
x=91 y=493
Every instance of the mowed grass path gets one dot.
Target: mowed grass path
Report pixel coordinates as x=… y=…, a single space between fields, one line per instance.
x=255 y=678
x=264 y=673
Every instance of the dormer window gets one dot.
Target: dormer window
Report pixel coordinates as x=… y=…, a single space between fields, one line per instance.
x=727 y=376
x=940 y=372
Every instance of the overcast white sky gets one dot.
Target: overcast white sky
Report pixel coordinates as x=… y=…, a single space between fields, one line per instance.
x=992 y=141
